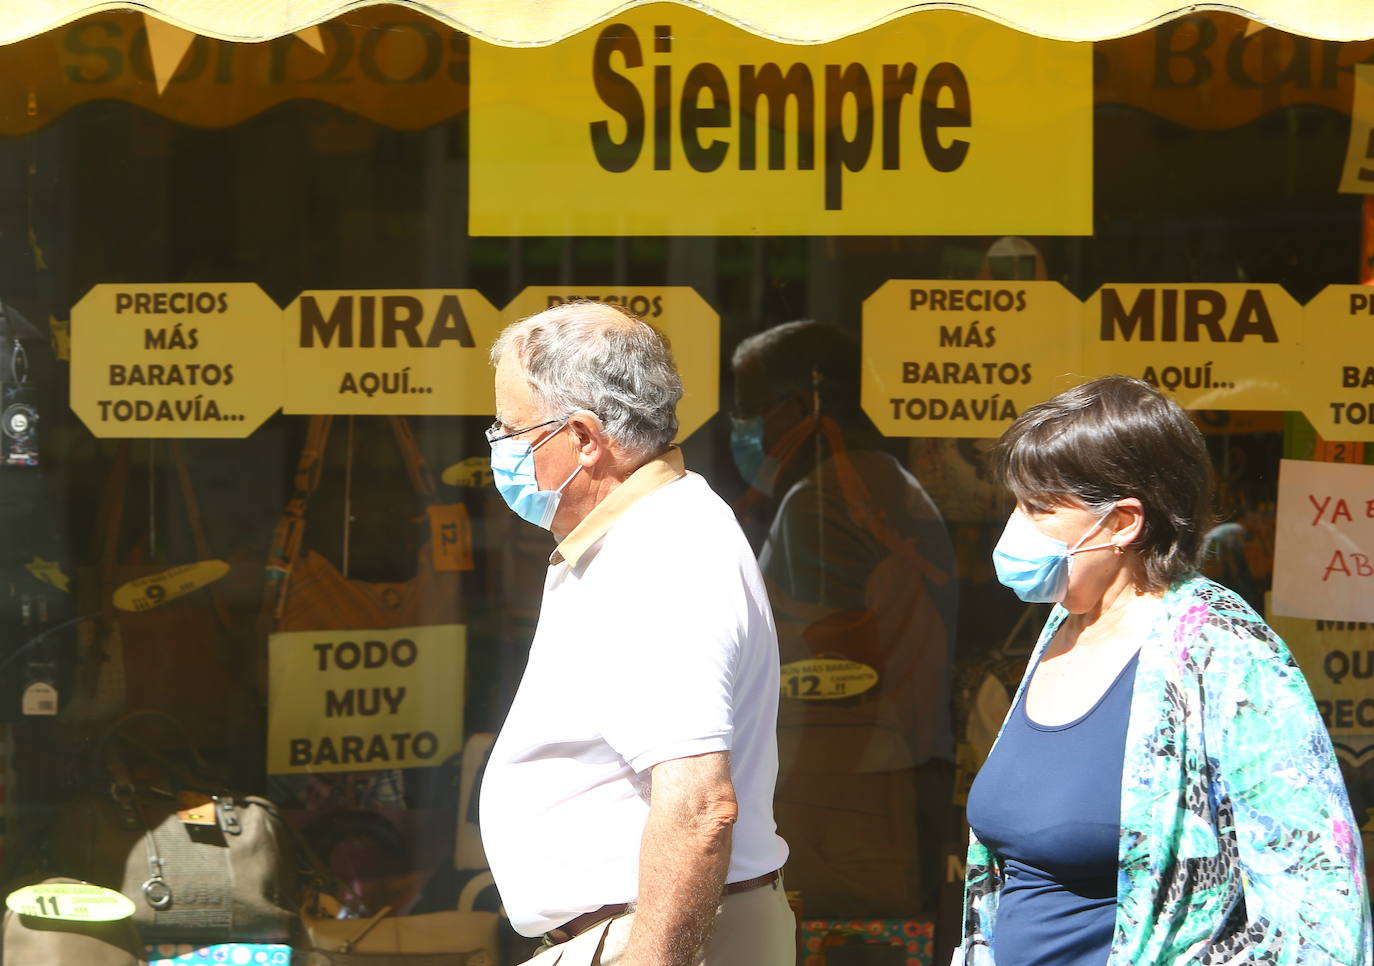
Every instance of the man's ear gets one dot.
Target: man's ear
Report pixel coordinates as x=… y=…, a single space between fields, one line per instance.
x=1129 y=522
x=588 y=438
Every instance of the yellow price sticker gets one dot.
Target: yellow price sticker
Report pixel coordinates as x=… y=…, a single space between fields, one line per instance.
x=71 y=901
x=826 y=679
x=154 y=590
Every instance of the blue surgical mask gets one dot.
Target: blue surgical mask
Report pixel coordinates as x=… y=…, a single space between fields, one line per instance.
x=512 y=470
x=1034 y=565
x=746 y=445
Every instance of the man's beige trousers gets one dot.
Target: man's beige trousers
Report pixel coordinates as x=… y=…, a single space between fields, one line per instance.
x=754 y=928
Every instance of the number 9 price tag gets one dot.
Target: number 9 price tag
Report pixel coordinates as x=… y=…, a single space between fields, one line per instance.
x=72 y=901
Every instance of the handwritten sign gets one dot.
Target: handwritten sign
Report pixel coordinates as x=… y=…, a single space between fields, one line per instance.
x=955 y=359
x=1324 y=542
x=365 y=699
x=175 y=361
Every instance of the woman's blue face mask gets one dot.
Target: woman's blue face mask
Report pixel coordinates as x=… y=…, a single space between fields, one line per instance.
x=512 y=470
x=1034 y=565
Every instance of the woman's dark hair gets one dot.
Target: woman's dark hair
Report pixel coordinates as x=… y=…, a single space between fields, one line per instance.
x=1104 y=441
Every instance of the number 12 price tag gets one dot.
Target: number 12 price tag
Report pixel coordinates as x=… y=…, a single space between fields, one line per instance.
x=72 y=901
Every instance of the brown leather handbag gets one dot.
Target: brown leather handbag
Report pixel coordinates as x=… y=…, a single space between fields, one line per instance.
x=181 y=657
x=360 y=821
x=307 y=592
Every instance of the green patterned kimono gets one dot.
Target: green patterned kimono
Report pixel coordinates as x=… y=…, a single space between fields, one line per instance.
x=1237 y=841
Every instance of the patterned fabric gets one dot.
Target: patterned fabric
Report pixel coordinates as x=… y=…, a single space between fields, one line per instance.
x=1237 y=841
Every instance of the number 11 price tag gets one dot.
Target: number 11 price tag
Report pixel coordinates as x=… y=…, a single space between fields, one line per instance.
x=72 y=901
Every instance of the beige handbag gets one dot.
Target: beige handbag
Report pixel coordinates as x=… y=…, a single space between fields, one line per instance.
x=458 y=937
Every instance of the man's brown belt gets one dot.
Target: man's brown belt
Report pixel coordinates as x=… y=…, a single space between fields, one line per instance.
x=579 y=925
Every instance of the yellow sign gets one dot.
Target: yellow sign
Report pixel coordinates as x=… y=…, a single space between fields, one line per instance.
x=420 y=352
x=70 y=901
x=473 y=471
x=154 y=590
x=1358 y=175
x=1337 y=374
x=826 y=679
x=666 y=121
x=366 y=699
x=175 y=361
x=1229 y=346
x=1337 y=658
x=691 y=326
x=953 y=358
x=394 y=67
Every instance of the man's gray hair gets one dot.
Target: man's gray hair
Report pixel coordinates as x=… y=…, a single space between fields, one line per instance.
x=594 y=356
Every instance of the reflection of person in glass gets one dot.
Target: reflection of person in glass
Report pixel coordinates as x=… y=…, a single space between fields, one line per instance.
x=861 y=569
x=1163 y=790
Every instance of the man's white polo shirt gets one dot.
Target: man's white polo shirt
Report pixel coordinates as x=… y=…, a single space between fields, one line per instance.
x=655 y=642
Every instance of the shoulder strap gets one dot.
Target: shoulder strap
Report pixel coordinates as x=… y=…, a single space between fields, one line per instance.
x=289 y=536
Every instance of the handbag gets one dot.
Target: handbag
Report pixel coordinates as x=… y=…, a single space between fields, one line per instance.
x=179 y=656
x=457 y=937
x=200 y=863
x=307 y=592
x=388 y=863
x=34 y=941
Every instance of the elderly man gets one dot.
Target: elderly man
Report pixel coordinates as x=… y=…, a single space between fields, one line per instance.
x=627 y=807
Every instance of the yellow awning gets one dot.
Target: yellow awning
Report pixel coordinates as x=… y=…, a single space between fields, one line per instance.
x=536 y=22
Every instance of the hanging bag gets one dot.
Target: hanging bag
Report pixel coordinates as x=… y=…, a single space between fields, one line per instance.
x=161 y=649
x=306 y=592
x=361 y=822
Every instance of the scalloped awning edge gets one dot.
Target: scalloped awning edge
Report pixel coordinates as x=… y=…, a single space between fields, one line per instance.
x=522 y=23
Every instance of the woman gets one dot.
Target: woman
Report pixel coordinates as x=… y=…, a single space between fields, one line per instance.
x=1163 y=790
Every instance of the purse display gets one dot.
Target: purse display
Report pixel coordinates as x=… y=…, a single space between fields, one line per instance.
x=379 y=830
x=166 y=650
x=200 y=863
x=457 y=937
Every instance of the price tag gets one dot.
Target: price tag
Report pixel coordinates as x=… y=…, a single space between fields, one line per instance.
x=72 y=901
x=40 y=698
x=194 y=808
x=154 y=590
x=48 y=571
x=450 y=537
x=826 y=679
x=473 y=471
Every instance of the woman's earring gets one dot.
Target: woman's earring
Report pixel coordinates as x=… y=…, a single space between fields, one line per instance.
x=1116 y=549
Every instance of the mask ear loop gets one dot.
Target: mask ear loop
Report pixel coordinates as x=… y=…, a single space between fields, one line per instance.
x=1079 y=548
x=577 y=469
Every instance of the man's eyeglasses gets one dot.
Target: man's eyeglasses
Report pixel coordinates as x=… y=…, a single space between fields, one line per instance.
x=495 y=435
